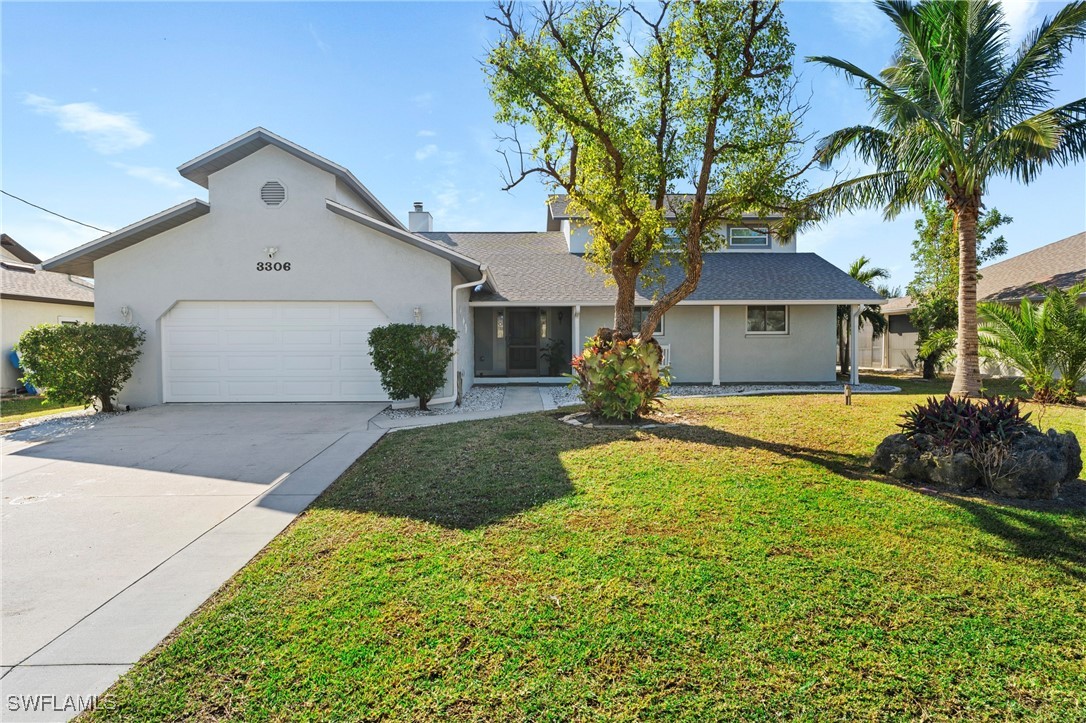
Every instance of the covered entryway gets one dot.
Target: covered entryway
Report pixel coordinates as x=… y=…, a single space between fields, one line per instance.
x=270 y=351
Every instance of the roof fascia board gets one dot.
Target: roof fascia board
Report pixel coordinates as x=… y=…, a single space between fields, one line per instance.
x=192 y=170
x=46 y=300
x=688 y=302
x=104 y=242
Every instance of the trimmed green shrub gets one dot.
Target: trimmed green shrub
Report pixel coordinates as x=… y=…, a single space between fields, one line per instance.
x=620 y=377
x=79 y=363
x=412 y=359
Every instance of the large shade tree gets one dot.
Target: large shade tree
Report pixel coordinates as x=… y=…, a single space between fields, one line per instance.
x=957 y=108
x=621 y=107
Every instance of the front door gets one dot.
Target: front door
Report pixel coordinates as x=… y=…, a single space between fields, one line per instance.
x=523 y=342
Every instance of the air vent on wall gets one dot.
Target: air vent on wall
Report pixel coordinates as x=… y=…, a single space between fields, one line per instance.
x=273 y=194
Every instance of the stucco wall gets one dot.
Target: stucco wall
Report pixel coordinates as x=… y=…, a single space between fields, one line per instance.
x=16 y=316
x=214 y=258
x=804 y=354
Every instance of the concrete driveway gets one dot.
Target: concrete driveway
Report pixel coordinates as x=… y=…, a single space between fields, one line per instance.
x=113 y=534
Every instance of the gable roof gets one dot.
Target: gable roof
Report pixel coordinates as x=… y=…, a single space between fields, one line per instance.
x=17 y=250
x=198 y=169
x=1061 y=264
x=26 y=283
x=537 y=268
x=80 y=260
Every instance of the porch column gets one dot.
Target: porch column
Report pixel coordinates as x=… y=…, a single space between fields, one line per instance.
x=853 y=345
x=716 y=346
x=577 y=341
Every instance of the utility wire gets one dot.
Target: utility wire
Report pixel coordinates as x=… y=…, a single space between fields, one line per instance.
x=42 y=208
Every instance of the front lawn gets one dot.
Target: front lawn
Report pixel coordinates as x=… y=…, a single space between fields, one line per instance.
x=742 y=565
x=16 y=409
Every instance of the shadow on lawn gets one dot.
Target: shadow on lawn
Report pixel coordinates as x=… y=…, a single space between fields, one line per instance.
x=444 y=477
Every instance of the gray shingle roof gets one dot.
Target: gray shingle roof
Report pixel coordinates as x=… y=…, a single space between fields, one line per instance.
x=20 y=282
x=558 y=206
x=537 y=268
x=1061 y=263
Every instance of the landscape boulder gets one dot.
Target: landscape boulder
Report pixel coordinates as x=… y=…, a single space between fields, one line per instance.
x=1033 y=465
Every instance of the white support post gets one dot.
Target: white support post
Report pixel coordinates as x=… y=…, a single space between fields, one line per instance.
x=578 y=342
x=853 y=345
x=716 y=346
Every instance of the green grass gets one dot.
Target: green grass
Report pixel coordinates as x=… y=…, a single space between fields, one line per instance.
x=16 y=409
x=743 y=565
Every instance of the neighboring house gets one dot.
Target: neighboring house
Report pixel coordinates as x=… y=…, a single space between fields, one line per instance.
x=268 y=291
x=30 y=296
x=1061 y=264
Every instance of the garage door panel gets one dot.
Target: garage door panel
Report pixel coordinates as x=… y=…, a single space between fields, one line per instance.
x=270 y=351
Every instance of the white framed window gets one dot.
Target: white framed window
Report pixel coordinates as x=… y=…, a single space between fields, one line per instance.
x=741 y=237
x=68 y=320
x=640 y=313
x=767 y=319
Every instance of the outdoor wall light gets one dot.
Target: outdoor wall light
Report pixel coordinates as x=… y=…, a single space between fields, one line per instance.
x=271 y=251
x=126 y=314
x=418 y=314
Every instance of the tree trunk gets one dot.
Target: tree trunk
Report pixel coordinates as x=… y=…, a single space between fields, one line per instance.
x=927 y=367
x=423 y=404
x=967 y=373
x=846 y=358
x=107 y=403
x=626 y=281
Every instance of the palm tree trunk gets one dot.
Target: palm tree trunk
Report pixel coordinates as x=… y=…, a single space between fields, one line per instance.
x=967 y=374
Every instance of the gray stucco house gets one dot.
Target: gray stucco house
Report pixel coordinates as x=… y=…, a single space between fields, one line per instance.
x=267 y=291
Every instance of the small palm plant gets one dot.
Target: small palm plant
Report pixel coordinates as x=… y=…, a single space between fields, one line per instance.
x=1067 y=321
x=870 y=314
x=1020 y=337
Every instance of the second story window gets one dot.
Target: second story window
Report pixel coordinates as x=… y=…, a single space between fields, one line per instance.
x=741 y=237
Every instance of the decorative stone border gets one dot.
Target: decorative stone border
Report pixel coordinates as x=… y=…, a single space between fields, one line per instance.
x=574 y=420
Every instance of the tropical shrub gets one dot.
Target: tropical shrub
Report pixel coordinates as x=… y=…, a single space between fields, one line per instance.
x=80 y=363
x=412 y=359
x=1039 y=339
x=620 y=376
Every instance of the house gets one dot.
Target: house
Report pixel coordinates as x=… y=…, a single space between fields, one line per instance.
x=267 y=292
x=30 y=297
x=1061 y=264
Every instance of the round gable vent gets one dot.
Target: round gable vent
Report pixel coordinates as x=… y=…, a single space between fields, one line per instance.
x=273 y=193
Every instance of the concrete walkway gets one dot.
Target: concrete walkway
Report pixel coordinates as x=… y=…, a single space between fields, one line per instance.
x=518 y=400
x=114 y=534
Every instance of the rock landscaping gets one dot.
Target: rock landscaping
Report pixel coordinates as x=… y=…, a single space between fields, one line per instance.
x=565 y=396
x=479 y=399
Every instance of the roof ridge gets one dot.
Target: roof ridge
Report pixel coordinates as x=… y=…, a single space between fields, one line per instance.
x=1016 y=257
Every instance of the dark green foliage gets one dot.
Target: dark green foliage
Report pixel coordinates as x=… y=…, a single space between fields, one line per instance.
x=78 y=363
x=412 y=359
x=959 y=423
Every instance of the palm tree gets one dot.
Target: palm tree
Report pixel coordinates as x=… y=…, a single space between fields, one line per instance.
x=866 y=275
x=954 y=110
x=1020 y=337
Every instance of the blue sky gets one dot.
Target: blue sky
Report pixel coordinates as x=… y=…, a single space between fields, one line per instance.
x=101 y=103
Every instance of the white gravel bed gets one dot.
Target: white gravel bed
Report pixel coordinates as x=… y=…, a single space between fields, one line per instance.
x=564 y=396
x=55 y=426
x=478 y=399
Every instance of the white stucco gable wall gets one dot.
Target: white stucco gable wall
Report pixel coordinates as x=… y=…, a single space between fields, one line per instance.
x=214 y=258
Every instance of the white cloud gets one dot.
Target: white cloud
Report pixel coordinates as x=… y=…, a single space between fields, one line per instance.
x=105 y=132
x=156 y=176
x=1019 y=15
x=321 y=45
x=425 y=152
x=423 y=100
x=860 y=17
x=426 y=134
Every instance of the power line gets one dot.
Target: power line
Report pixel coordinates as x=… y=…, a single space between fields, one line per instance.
x=59 y=215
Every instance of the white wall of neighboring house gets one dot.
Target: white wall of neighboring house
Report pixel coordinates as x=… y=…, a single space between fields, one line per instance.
x=16 y=316
x=214 y=258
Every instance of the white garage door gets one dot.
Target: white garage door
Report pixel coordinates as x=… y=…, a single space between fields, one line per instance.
x=270 y=351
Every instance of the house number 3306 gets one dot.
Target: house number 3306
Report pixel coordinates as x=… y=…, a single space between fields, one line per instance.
x=272 y=266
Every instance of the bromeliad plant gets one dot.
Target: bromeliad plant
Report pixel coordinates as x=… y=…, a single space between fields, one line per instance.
x=620 y=376
x=960 y=424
